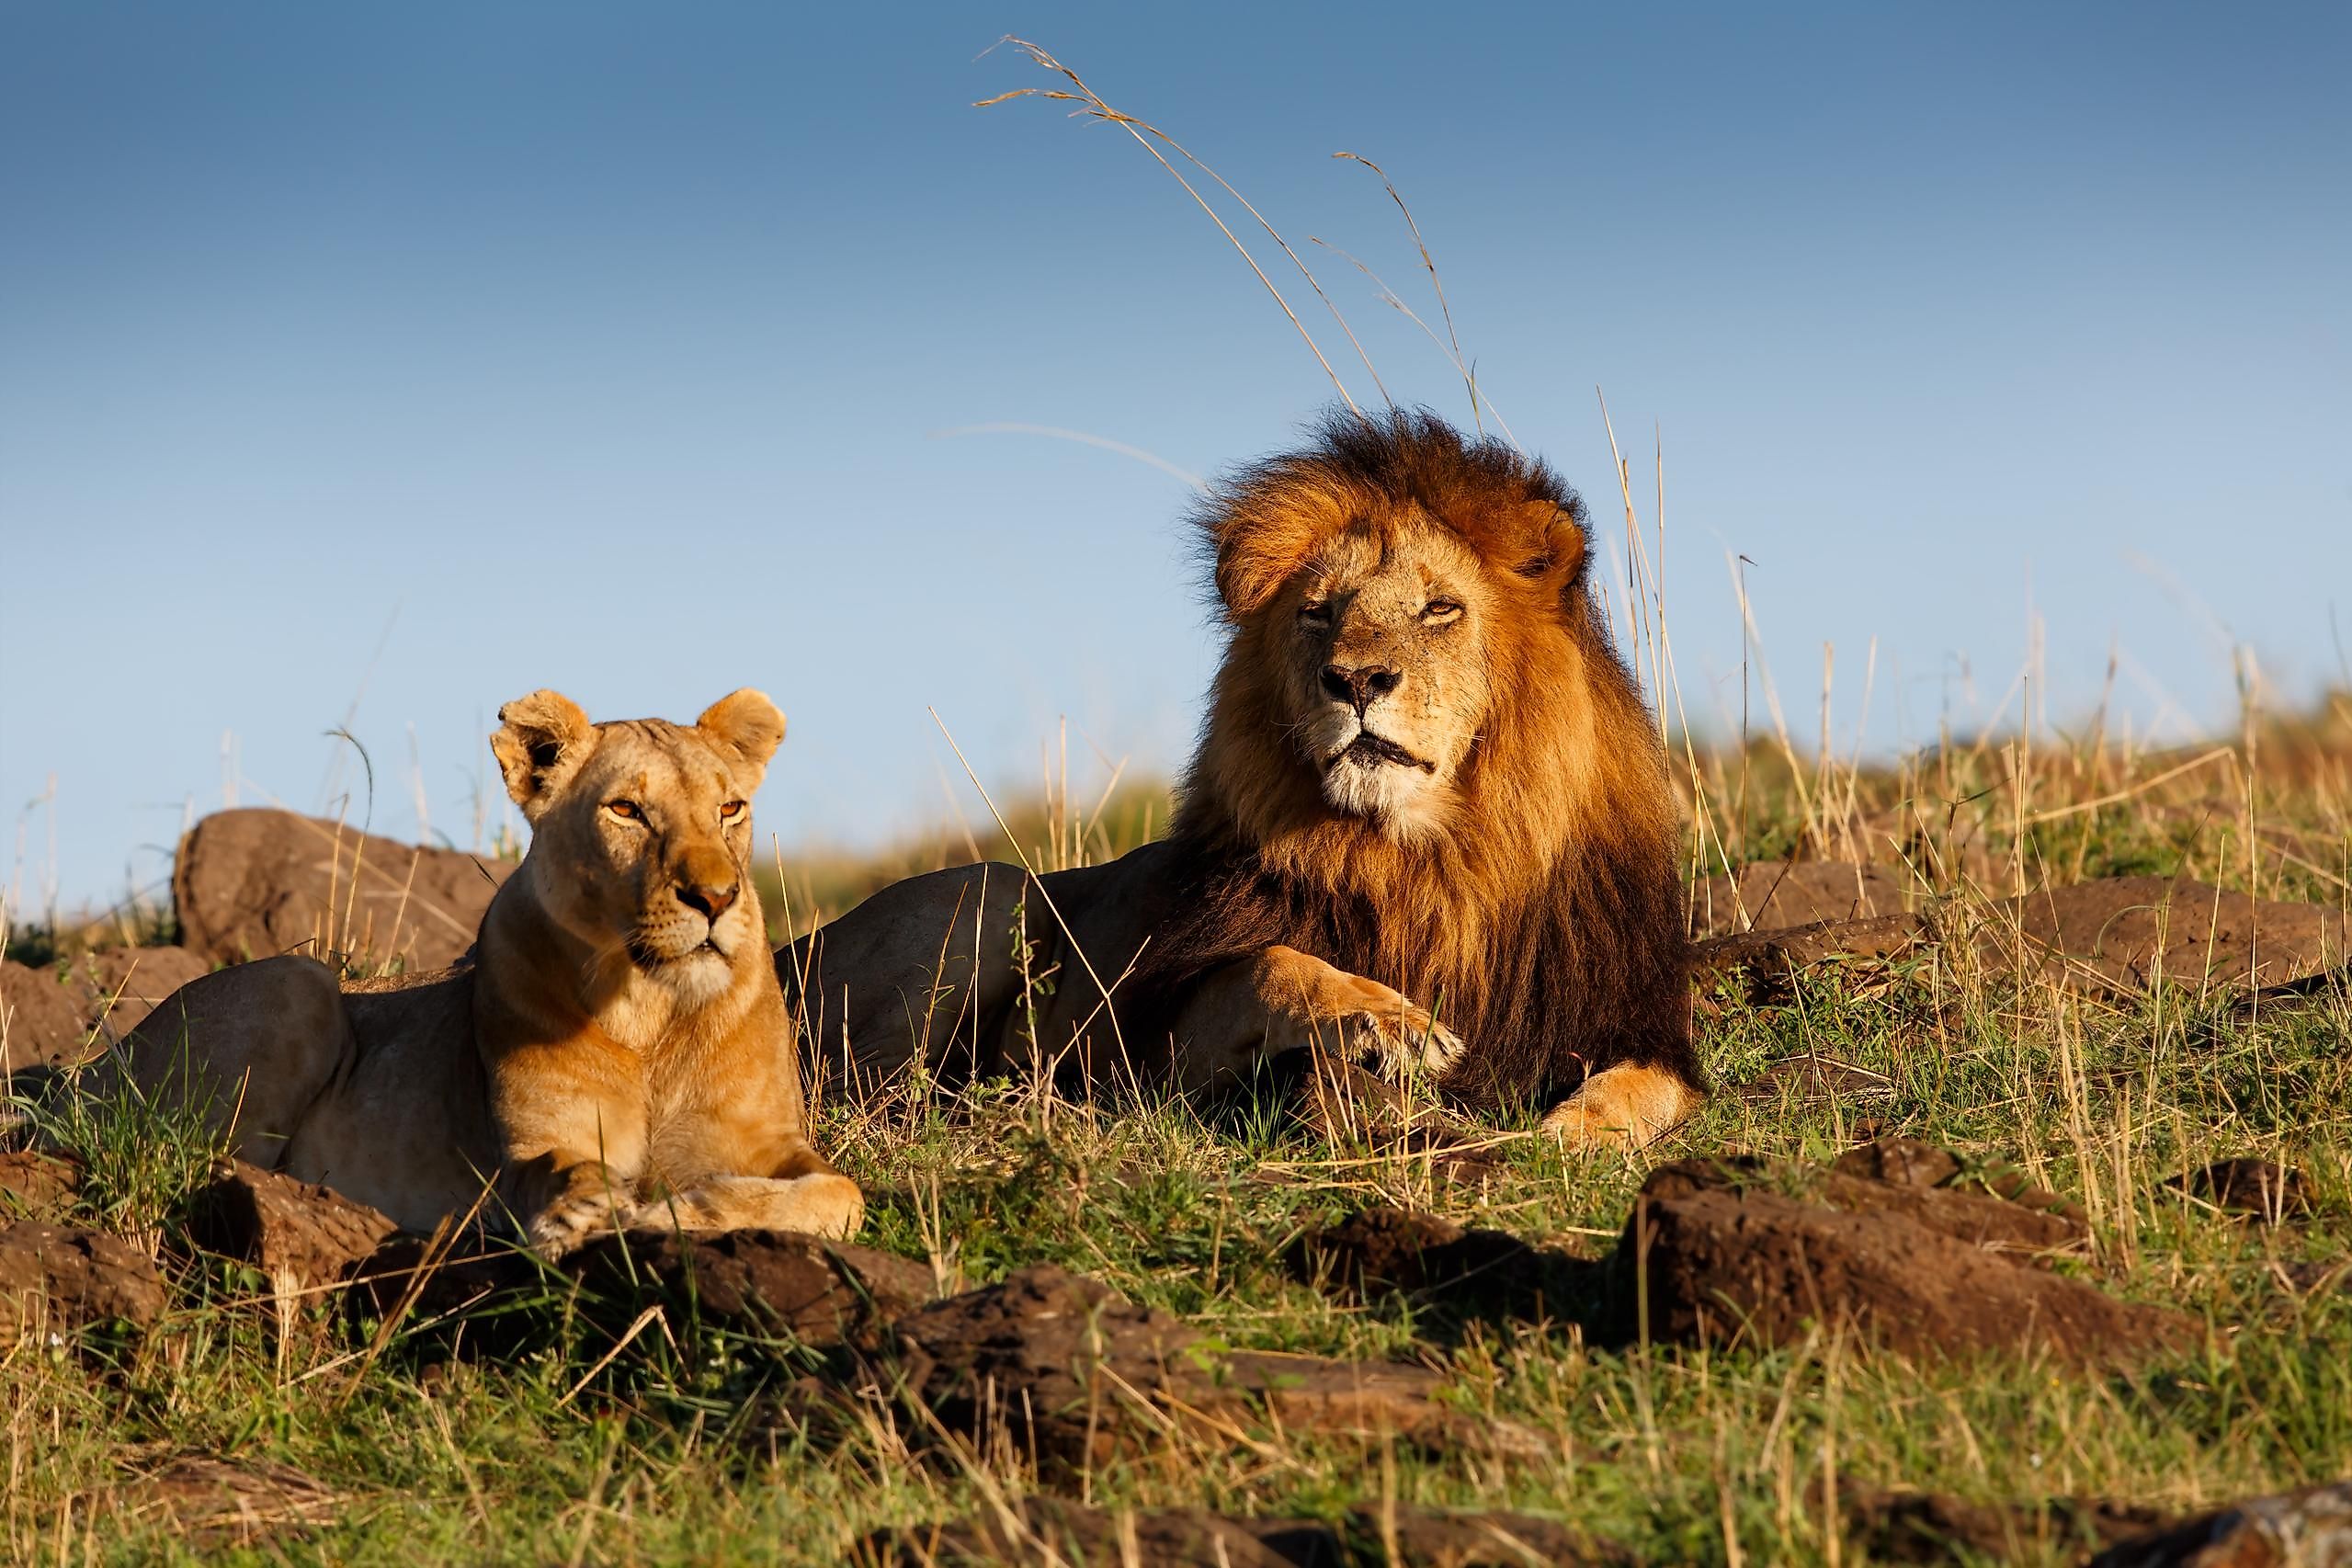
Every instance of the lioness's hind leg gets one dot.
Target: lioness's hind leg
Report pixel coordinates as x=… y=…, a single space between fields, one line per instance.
x=1624 y=1107
x=251 y=1048
x=826 y=1204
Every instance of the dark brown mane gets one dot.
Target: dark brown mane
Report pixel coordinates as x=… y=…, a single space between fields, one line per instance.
x=1546 y=924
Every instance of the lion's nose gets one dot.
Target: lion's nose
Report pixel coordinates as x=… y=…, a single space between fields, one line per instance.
x=712 y=898
x=1360 y=685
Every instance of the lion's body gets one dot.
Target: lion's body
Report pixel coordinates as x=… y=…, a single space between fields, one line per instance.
x=616 y=1051
x=1428 y=794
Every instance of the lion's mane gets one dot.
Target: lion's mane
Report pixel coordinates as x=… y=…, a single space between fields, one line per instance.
x=1545 y=923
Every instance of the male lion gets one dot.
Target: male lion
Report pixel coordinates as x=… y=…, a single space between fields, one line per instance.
x=1428 y=820
x=614 y=1051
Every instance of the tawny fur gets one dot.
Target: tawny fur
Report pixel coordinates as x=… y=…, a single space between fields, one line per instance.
x=615 y=1052
x=1481 y=883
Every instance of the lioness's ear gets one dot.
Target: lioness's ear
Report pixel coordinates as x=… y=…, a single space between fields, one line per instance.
x=540 y=742
x=1551 y=543
x=746 y=725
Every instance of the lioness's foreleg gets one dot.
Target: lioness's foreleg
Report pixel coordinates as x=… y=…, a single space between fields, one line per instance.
x=720 y=1173
x=1625 y=1107
x=818 y=1203
x=573 y=1128
x=249 y=1049
x=1255 y=1009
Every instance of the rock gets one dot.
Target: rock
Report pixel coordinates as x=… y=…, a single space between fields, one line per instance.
x=56 y=1279
x=1921 y=1271
x=1341 y=1103
x=1772 y=960
x=1900 y=1162
x=115 y=988
x=2260 y=1190
x=823 y=1293
x=446 y=1278
x=301 y=1237
x=2309 y=1529
x=37 y=1023
x=1810 y=1078
x=1477 y=1273
x=1774 y=894
x=2123 y=935
x=1929 y=1527
x=2310 y=1278
x=36 y=1186
x=1997 y=1210
x=2117 y=936
x=1044 y=1530
x=1926 y=843
x=251 y=883
x=1054 y=1365
x=213 y=1505
x=826 y=1294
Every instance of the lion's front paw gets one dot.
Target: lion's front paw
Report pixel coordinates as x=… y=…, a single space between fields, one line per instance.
x=1397 y=1037
x=565 y=1225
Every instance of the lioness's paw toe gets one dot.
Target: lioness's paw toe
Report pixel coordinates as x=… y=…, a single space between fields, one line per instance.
x=836 y=1207
x=563 y=1227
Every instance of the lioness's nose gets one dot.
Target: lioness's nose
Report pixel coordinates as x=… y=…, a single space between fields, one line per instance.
x=712 y=898
x=1360 y=685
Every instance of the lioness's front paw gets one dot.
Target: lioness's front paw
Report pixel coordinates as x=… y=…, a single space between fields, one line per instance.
x=565 y=1224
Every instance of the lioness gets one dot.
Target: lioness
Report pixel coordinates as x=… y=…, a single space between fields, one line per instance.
x=615 y=1052
x=1428 y=820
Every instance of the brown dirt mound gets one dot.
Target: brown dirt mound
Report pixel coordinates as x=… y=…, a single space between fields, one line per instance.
x=1894 y=1252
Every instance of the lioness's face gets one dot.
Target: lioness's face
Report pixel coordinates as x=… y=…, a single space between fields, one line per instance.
x=642 y=835
x=1388 y=670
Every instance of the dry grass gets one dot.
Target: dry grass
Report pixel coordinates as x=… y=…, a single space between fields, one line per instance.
x=576 y=1448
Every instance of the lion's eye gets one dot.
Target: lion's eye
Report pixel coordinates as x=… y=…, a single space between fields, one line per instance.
x=731 y=811
x=627 y=811
x=1315 y=614
x=1437 y=612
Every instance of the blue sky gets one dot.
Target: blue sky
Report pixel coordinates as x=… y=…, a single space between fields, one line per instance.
x=385 y=363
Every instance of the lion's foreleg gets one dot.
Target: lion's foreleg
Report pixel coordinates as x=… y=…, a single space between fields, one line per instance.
x=1256 y=1008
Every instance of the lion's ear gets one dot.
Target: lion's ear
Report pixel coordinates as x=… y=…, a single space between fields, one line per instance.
x=1550 y=542
x=540 y=742
x=746 y=725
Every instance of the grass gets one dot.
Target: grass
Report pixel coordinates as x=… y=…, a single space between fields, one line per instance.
x=675 y=1451
x=568 y=1446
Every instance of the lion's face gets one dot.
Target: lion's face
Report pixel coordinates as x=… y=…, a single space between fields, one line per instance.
x=1384 y=647
x=641 y=835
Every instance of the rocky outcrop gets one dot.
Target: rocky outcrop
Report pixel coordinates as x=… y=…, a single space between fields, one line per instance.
x=252 y=884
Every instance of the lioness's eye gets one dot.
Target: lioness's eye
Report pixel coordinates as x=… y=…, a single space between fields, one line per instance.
x=1438 y=611
x=627 y=811
x=731 y=811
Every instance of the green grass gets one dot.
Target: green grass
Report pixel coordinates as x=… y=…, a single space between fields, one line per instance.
x=499 y=1442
